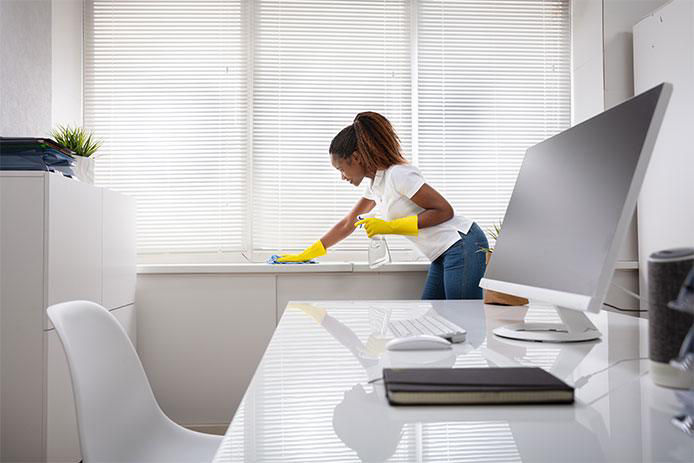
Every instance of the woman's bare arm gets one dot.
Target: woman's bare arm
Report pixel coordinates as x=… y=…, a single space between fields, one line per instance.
x=436 y=209
x=345 y=227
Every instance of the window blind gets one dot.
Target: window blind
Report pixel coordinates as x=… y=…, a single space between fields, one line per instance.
x=217 y=114
x=316 y=65
x=493 y=80
x=165 y=87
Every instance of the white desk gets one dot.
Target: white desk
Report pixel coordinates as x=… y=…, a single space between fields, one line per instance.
x=310 y=399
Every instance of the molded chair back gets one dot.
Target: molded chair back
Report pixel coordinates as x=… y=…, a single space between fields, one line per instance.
x=118 y=417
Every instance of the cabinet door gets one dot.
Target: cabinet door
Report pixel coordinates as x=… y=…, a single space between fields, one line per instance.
x=62 y=440
x=21 y=315
x=74 y=241
x=119 y=265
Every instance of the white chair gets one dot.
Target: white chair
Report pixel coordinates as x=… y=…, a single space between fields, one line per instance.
x=118 y=417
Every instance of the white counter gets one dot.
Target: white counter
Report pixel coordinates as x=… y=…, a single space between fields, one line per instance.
x=311 y=400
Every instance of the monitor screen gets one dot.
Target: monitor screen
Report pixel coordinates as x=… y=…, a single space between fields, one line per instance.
x=574 y=198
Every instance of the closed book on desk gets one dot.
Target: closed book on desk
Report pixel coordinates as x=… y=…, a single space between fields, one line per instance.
x=464 y=386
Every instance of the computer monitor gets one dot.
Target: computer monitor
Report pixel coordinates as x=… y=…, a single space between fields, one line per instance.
x=568 y=215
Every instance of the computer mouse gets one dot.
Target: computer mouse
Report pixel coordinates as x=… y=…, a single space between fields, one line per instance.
x=418 y=342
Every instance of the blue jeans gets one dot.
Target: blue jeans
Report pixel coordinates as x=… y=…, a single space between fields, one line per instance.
x=456 y=273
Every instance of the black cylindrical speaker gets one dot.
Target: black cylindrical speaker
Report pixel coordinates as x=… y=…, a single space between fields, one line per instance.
x=667 y=327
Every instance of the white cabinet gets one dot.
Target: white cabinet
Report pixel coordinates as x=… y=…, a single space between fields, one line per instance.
x=73 y=240
x=118 y=258
x=61 y=240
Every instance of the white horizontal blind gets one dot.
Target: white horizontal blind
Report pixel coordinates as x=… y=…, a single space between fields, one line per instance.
x=316 y=65
x=164 y=86
x=494 y=79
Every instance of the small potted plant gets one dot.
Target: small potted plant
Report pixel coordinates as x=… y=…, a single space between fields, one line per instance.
x=82 y=143
x=494 y=297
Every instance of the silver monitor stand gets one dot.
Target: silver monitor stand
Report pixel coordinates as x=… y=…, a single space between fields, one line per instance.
x=575 y=327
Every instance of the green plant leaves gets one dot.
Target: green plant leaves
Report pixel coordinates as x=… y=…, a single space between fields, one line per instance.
x=76 y=139
x=493 y=233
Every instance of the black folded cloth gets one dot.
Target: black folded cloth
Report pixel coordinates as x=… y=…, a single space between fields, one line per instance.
x=41 y=154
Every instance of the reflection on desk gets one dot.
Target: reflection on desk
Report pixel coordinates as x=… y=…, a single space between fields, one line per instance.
x=316 y=394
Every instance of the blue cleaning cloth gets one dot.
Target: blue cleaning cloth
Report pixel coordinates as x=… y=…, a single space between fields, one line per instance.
x=273 y=260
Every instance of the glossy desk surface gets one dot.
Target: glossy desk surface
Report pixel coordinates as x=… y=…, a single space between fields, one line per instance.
x=311 y=400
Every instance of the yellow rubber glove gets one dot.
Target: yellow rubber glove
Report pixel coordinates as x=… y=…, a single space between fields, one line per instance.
x=404 y=226
x=311 y=252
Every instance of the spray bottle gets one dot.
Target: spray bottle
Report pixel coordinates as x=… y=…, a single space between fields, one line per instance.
x=379 y=254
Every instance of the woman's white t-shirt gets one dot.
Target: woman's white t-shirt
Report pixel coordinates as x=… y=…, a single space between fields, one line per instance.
x=392 y=189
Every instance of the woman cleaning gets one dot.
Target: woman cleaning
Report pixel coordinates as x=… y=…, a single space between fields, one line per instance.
x=370 y=148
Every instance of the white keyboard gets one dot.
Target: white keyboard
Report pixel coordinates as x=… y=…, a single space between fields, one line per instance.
x=428 y=324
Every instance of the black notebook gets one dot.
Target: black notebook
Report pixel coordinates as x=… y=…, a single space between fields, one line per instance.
x=514 y=385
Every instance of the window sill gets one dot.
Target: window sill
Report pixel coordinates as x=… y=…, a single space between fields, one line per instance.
x=323 y=267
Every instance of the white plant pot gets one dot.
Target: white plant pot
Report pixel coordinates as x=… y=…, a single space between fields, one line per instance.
x=84 y=169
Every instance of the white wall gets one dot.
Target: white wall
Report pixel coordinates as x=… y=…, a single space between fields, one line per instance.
x=40 y=66
x=664 y=49
x=620 y=18
x=66 y=61
x=25 y=67
x=587 y=97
